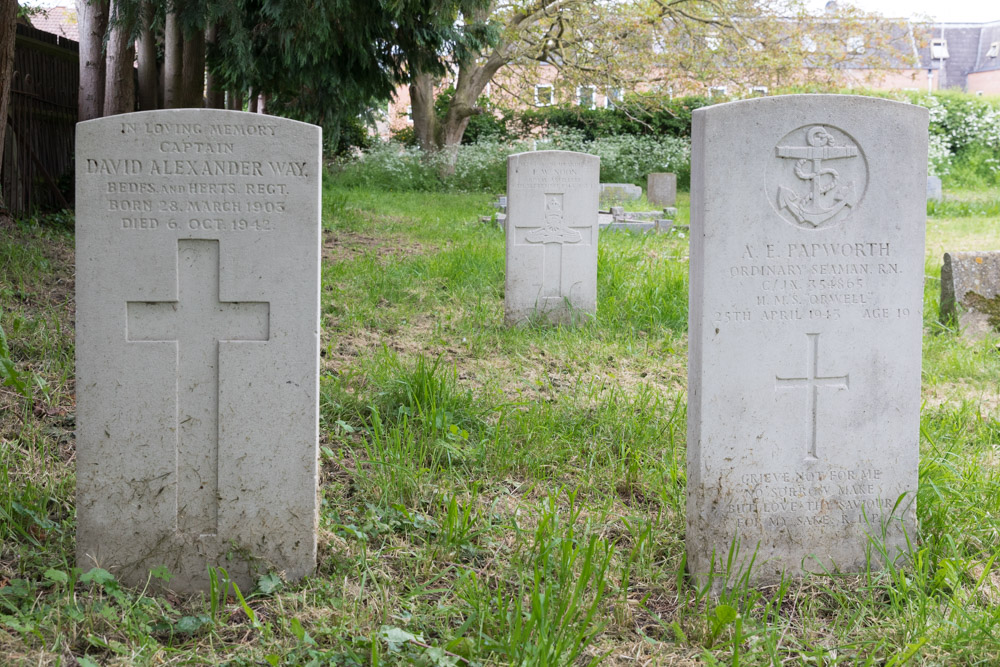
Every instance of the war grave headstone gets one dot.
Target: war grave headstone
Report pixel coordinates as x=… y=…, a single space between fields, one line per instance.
x=197 y=245
x=661 y=189
x=970 y=292
x=807 y=264
x=551 y=236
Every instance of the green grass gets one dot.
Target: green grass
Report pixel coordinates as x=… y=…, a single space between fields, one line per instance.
x=495 y=495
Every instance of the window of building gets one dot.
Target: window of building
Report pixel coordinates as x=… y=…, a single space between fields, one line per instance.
x=856 y=44
x=543 y=95
x=713 y=41
x=994 y=50
x=758 y=90
x=717 y=91
x=809 y=43
x=586 y=96
x=613 y=98
x=939 y=49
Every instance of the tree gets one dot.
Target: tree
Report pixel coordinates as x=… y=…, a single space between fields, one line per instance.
x=119 y=83
x=327 y=61
x=93 y=19
x=642 y=45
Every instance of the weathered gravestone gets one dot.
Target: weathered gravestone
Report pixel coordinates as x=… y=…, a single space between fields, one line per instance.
x=934 y=192
x=661 y=189
x=551 y=236
x=616 y=193
x=807 y=264
x=198 y=244
x=970 y=291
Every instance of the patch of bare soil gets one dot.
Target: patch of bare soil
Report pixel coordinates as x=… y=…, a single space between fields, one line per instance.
x=986 y=396
x=340 y=246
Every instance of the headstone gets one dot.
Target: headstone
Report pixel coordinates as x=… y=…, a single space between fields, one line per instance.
x=616 y=193
x=807 y=265
x=618 y=212
x=661 y=189
x=970 y=292
x=551 y=236
x=934 y=192
x=197 y=246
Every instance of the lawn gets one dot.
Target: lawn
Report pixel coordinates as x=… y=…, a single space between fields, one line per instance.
x=494 y=495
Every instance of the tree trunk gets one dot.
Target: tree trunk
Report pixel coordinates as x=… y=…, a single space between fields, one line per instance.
x=422 y=111
x=149 y=83
x=93 y=20
x=252 y=104
x=193 y=70
x=173 y=44
x=216 y=98
x=8 y=22
x=119 y=89
x=262 y=103
x=234 y=100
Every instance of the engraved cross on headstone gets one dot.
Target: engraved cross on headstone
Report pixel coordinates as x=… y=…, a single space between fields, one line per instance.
x=553 y=235
x=197 y=322
x=812 y=382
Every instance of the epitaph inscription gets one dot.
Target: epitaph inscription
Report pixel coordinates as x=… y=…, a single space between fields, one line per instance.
x=552 y=241
x=805 y=331
x=197 y=345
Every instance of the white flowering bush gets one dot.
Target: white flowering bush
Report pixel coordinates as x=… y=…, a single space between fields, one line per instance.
x=629 y=158
x=964 y=138
x=483 y=166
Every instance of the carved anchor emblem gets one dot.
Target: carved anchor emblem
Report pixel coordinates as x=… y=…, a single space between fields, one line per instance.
x=827 y=196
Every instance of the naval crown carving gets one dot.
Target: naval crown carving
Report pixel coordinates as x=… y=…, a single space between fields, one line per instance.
x=817 y=177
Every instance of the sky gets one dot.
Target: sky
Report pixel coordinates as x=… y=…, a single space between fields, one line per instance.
x=950 y=11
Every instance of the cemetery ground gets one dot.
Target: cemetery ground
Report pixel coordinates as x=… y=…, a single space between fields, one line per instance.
x=495 y=495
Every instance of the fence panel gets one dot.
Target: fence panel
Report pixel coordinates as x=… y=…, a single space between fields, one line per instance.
x=37 y=171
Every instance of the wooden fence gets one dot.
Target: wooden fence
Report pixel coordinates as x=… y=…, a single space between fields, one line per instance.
x=37 y=170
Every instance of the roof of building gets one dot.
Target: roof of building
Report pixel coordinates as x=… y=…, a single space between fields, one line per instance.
x=60 y=21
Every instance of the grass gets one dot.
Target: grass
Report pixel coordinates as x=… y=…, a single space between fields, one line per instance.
x=494 y=495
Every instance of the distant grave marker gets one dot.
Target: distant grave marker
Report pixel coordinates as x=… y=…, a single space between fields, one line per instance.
x=618 y=193
x=197 y=345
x=661 y=189
x=551 y=236
x=805 y=331
x=970 y=292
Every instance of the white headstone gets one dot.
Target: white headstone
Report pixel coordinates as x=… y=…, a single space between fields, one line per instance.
x=807 y=265
x=198 y=243
x=552 y=239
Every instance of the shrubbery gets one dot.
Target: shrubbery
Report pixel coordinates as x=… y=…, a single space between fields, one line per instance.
x=483 y=166
x=964 y=144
